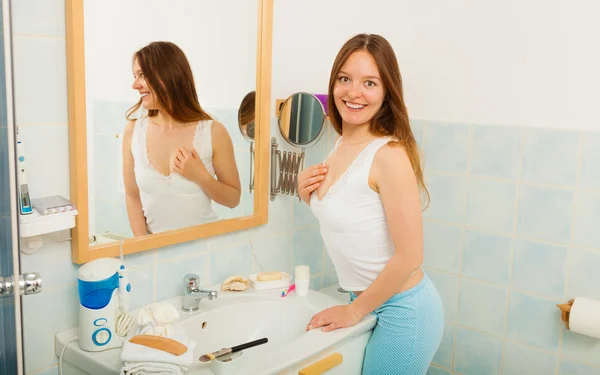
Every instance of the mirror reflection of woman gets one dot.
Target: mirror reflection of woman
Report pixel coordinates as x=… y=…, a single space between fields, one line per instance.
x=176 y=158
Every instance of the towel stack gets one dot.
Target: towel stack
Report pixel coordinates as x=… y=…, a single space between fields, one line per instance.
x=157 y=319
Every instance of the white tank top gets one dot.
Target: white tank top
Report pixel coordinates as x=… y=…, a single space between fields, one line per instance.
x=172 y=202
x=353 y=223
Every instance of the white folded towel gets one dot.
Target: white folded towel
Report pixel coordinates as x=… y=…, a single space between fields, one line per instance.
x=139 y=359
x=148 y=368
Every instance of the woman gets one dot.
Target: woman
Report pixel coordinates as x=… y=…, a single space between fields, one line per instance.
x=367 y=200
x=176 y=159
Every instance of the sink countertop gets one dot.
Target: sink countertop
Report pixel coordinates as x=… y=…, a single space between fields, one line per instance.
x=279 y=357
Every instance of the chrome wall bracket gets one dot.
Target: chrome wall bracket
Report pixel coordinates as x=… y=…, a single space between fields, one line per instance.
x=285 y=166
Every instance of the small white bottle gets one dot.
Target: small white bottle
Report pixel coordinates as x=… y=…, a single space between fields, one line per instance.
x=302 y=279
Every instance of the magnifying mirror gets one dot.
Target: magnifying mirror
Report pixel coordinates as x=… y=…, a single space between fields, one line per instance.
x=302 y=119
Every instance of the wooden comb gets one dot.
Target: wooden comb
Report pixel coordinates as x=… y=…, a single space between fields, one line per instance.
x=161 y=343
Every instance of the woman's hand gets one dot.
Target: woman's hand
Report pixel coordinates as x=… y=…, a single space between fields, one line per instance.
x=333 y=318
x=309 y=180
x=188 y=164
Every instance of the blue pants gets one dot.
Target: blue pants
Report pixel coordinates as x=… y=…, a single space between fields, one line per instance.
x=408 y=332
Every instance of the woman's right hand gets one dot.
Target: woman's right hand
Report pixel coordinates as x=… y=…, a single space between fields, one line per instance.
x=309 y=180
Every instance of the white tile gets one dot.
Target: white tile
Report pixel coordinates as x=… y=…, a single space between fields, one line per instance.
x=40 y=80
x=47 y=159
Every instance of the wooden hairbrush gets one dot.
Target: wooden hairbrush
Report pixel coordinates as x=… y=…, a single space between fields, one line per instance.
x=161 y=343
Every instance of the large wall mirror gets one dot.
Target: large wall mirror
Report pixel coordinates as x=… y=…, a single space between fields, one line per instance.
x=176 y=167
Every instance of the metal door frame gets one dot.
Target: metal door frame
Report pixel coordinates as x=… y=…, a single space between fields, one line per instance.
x=10 y=124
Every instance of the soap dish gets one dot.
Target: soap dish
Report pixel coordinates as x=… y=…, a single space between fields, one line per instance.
x=284 y=282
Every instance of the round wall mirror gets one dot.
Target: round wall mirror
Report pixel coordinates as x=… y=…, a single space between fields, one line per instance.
x=246 y=116
x=302 y=119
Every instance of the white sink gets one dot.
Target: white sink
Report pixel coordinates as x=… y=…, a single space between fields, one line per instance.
x=235 y=318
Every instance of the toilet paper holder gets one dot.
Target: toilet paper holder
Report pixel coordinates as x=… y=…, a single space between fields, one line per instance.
x=565 y=308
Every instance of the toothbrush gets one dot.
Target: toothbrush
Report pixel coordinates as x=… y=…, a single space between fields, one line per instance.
x=24 y=199
x=286 y=292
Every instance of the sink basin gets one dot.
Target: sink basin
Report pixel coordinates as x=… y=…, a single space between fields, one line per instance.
x=236 y=318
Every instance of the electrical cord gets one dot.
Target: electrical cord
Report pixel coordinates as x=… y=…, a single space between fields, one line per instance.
x=62 y=352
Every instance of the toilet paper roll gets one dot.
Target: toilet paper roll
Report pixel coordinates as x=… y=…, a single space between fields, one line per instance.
x=585 y=317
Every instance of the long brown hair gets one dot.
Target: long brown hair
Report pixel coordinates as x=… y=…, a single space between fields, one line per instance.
x=392 y=118
x=169 y=76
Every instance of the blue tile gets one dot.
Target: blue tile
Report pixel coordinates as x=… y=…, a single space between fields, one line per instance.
x=446 y=147
x=585 y=221
x=280 y=219
x=169 y=275
x=482 y=306
x=584 y=277
x=540 y=268
x=39 y=333
x=274 y=252
x=140 y=259
x=53 y=263
x=327 y=263
x=182 y=249
x=491 y=205
x=477 y=353
x=534 y=321
x=230 y=262
x=447 y=286
x=573 y=368
x=142 y=286
x=437 y=371
x=329 y=278
x=590 y=164
x=519 y=360
x=495 y=151
x=316 y=282
x=303 y=216
x=448 y=197
x=307 y=248
x=581 y=348
x=545 y=214
x=486 y=257
x=442 y=246
x=316 y=153
x=551 y=156
x=445 y=352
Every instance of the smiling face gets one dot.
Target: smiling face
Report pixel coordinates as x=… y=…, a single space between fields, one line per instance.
x=141 y=86
x=358 y=91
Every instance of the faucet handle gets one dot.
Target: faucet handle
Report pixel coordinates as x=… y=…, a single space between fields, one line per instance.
x=191 y=282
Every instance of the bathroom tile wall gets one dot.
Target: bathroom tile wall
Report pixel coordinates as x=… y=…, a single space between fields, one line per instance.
x=511 y=232
x=41 y=113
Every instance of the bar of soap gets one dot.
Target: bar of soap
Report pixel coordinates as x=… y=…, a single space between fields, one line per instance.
x=269 y=276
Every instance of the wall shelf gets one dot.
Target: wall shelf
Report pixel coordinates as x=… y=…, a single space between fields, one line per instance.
x=36 y=224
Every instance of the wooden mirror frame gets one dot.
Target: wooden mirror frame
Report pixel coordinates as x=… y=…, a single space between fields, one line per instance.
x=80 y=249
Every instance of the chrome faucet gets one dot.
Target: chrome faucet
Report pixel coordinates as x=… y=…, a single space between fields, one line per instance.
x=192 y=295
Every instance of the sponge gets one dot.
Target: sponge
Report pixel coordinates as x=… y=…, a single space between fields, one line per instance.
x=269 y=276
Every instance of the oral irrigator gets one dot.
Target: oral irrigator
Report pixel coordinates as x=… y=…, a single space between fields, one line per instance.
x=103 y=298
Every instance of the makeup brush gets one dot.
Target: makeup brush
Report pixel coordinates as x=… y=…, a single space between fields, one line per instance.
x=220 y=353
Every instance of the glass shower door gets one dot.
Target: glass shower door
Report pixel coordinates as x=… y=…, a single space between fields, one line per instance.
x=11 y=352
